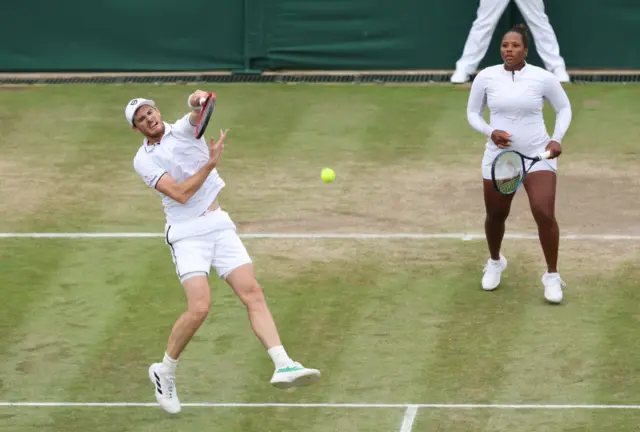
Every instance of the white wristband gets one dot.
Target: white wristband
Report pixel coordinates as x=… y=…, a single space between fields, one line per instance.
x=196 y=108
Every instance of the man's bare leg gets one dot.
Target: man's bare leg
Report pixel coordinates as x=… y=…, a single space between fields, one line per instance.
x=162 y=375
x=288 y=372
x=198 y=296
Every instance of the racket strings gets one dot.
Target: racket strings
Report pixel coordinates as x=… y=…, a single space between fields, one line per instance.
x=509 y=185
x=508 y=172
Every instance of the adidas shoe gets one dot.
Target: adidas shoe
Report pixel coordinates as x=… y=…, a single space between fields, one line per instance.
x=294 y=375
x=165 y=386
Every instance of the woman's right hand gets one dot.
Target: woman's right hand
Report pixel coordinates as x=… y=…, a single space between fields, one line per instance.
x=501 y=138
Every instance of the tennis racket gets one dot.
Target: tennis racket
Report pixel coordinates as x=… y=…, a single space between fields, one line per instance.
x=206 y=110
x=508 y=170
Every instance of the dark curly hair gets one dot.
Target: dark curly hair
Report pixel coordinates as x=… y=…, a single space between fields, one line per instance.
x=522 y=30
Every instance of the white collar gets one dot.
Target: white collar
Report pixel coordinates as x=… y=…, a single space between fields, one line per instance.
x=524 y=69
x=149 y=147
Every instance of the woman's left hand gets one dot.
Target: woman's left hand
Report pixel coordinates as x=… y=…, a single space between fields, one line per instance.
x=555 y=148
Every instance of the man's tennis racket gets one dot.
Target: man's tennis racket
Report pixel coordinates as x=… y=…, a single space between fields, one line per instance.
x=508 y=170
x=206 y=110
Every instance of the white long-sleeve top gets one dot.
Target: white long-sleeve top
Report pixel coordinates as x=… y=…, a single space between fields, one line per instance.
x=515 y=100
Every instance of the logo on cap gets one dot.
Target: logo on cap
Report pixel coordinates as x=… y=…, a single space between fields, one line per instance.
x=133 y=102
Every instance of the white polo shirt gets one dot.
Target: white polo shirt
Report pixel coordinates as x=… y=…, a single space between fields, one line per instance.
x=178 y=154
x=515 y=101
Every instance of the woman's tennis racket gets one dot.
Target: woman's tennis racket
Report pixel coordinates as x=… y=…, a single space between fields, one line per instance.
x=508 y=170
x=206 y=110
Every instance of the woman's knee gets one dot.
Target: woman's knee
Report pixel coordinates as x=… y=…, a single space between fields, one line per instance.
x=497 y=206
x=497 y=215
x=543 y=215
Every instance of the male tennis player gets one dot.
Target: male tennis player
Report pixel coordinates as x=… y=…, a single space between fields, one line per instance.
x=488 y=15
x=200 y=235
x=515 y=92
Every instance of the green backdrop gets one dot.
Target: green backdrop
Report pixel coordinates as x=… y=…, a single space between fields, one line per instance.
x=136 y=35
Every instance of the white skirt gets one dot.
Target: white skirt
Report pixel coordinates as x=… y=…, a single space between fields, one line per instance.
x=543 y=165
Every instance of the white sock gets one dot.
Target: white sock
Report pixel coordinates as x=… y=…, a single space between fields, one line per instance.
x=169 y=363
x=279 y=356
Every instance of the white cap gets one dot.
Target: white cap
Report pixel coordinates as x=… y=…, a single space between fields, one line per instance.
x=133 y=106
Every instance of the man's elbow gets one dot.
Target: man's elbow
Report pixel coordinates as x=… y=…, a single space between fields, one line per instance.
x=182 y=199
x=180 y=195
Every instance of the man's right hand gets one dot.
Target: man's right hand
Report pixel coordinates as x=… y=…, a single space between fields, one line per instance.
x=194 y=98
x=217 y=147
x=501 y=138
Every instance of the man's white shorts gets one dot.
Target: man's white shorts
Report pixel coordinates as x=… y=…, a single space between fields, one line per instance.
x=543 y=165
x=204 y=242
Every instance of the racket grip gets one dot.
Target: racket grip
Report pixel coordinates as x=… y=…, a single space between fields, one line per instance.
x=545 y=155
x=202 y=99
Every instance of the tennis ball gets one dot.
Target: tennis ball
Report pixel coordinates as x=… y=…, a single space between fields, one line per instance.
x=328 y=175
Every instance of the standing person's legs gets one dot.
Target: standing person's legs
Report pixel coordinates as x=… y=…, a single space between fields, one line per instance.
x=233 y=264
x=541 y=189
x=497 y=208
x=545 y=38
x=479 y=38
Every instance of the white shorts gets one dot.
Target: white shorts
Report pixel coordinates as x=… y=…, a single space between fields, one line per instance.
x=543 y=165
x=207 y=241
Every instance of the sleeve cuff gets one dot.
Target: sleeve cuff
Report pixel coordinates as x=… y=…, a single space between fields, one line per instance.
x=190 y=106
x=157 y=180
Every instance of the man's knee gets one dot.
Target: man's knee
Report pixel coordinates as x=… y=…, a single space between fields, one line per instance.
x=199 y=310
x=243 y=281
x=196 y=286
x=251 y=295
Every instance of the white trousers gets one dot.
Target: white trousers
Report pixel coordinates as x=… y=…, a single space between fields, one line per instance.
x=488 y=15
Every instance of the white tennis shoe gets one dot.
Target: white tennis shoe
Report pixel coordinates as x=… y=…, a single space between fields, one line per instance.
x=294 y=375
x=562 y=75
x=459 y=77
x=553 y=287
x=165 y=388
x=493 y=272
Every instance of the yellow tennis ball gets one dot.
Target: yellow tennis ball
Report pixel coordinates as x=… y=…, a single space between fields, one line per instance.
x=328 y=175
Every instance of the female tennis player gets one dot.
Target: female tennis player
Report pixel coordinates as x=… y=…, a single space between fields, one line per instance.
x=515 y=92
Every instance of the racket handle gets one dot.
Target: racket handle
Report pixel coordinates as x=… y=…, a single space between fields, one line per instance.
x=545 y=155
x=202 y=99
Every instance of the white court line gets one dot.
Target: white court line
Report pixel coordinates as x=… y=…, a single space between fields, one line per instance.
x=409 y=418
x=357 y=236
x=318 y=405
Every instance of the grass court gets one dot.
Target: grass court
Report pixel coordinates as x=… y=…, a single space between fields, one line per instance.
x=387 y=321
